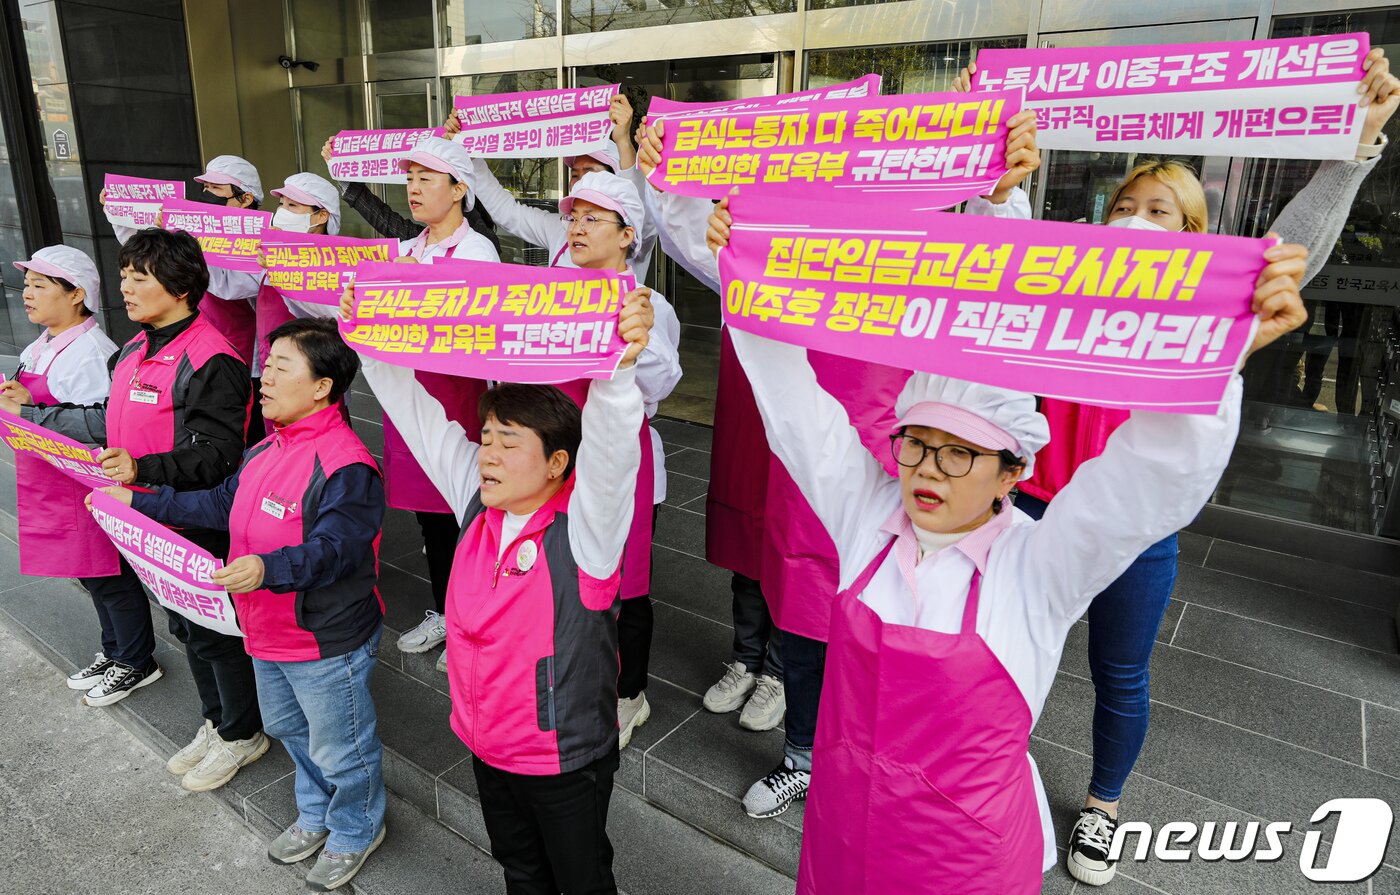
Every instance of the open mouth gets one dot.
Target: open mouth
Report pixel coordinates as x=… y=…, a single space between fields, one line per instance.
x=927 y=500
x=577 y=244
x=488 y=481
x=414 y=204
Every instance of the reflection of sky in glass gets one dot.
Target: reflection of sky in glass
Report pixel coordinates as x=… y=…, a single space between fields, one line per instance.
x=615 y=15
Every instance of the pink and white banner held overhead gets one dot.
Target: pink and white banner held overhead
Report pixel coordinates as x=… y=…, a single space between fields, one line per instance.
x=1098 y=315
x=172 y=568
x=373 y=156
x=315 y=268
x=1288 y=98
x=508 y=322
x=941 y=147
x=230 y=237
x=536 y=123
x=135 y=201
x=866 y=85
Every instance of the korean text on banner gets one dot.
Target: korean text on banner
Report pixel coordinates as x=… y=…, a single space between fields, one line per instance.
x=1099 y=315
x=373 y=156
x=941 y=147
x=135 y=201
x=314 y=268
x=65 y=454
x=230 y=237
x=867 y=85
x=171 y=567
x=507 y=322
x=1288 y=98
x=573 y=121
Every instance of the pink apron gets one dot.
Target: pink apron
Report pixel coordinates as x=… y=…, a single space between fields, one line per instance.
x=739 y=462
x=272 y=313
x=921 y=782
x=57 y=536
x=1078 y=433
x=799 y=565
x=235 y=320
x=636 y=554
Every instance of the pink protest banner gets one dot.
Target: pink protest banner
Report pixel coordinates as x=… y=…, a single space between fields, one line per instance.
x=230 y=237
x=1099 y=315
x=1288 y=98
x=314 y=268
x=867 y=85
x=373 y=156
x=65 y=454
x=173 y=569
x=508 y=322
x=942 y=147
x=135 y=201
x=573 y=121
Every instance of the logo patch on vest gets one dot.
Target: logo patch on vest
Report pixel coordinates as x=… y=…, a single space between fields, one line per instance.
x=277 y=507
x=526 y=555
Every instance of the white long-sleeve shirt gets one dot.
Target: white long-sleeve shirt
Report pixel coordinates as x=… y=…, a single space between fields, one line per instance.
x=681 y=222
x=1156 y=473
x=544 y=228
x=605 y=472
x=77 y=374
x=658 y=373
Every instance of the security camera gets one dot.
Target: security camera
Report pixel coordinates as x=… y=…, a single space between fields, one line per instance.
x=312 y=66
x=286 y=62
x=289 y=63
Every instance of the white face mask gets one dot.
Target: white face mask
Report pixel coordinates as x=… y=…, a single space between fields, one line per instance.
x=1133 y=222
x=292 y=222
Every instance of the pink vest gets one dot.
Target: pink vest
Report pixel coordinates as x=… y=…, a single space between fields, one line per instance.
x=531 y=645
x=149 y=394
x=799 y=572
x=1078 y=433
x=276 y=505
x=235 y=319
x=734 y=529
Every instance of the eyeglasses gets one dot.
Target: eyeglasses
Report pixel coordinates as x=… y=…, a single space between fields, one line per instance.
x=953 y=460
x=587 y=222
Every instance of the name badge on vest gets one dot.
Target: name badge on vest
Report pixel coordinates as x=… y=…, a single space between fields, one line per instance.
x=274 y=508
x=144 y=396
x=525 y=556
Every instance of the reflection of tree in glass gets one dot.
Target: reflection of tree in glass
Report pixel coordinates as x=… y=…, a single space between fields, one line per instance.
x=609 y=15
x=905 y=68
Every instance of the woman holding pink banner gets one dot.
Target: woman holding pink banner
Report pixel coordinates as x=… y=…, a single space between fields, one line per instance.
x=57 y=537
x=1125 y=617
x=955 y=608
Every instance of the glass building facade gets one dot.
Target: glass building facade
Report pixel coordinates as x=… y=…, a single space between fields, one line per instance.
x=1323 y=406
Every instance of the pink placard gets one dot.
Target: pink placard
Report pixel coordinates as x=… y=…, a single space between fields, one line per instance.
x=230 y=237
x=135 y=201
x=1286 y=98
x=65 y=454
x=373 y=156
x=536 y=123
x=314 y=268
x=941 y=147
x=866 y=85
x=507 y=322
x=174 y=569
x=1099 y=315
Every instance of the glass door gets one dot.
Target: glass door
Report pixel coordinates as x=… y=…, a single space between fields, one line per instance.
x=689 y=80
x=403 y=104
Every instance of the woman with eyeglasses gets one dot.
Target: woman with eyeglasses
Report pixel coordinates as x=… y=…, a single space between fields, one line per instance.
x=954 y=607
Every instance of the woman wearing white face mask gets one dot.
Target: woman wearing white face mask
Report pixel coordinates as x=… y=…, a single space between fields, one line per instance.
x=1124 y=618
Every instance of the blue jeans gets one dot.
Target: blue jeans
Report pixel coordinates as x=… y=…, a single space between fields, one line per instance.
x=804 y=663
x=322 y=712
x=1123 y=623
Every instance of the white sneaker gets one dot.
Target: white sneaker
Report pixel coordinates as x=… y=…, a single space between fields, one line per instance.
x=775 y=793
x=631 y=714
x=1089 y=844
x=431 y=631
x=731 y=691
x=223 y=760
x=184 y=761
x=766 y=706
x=91 y=676
x=442 y=662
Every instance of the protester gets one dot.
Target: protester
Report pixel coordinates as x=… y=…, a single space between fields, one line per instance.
x=57 y=537
x=546 y=497
x=176 y=417
x=304 y=515
x=898 y=801
x=1124 y=619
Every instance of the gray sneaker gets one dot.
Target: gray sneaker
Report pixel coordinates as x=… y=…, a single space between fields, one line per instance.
x=296 y=844
x=335 y=869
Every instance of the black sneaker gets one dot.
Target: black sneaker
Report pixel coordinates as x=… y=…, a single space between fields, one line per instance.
x=119 y=680
x=87 y=678
x=776 y=792
x=1089 y=844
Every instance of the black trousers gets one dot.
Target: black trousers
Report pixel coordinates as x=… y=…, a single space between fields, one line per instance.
x=124 y=612
x=635 y=622
x=550 y=833
x=440 y=533
x=223 y=675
